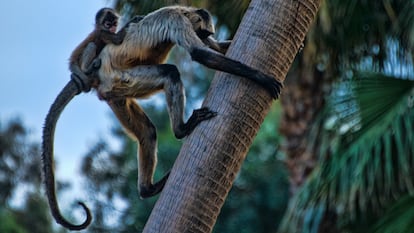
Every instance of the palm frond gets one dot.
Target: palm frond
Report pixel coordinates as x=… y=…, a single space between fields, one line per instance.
x=399 y=218
x=372 y=160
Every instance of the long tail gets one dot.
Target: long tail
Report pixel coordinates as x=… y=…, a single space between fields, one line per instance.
x=64 y=97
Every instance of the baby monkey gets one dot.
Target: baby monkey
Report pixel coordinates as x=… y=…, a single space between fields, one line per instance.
x=82 y=63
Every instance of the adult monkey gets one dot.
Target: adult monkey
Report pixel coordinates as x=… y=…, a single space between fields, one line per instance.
x=134 y=70
x=81 y=63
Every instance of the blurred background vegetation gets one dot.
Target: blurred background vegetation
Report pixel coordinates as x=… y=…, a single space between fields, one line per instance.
x=335 y=154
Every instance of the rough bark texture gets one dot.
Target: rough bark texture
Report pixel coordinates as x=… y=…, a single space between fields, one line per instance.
x=268 y=39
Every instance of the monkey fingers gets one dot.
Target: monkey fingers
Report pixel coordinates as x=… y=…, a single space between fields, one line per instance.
x=198 y=116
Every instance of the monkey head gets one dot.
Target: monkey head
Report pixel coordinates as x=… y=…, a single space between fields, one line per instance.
x=202 y=23
x=106 y=19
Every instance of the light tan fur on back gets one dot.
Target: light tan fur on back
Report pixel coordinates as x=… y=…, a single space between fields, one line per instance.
x=149 y=41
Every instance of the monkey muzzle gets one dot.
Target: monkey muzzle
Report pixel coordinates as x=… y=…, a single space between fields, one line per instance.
x=203 y=33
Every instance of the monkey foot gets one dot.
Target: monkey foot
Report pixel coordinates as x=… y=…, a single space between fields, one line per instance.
x=274 y=88
x=272 y=85
x=153 y=189
x=198 y=116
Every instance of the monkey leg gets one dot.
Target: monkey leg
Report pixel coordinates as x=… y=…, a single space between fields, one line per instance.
x=140 y=128
x=174 y=93
x=142 y=81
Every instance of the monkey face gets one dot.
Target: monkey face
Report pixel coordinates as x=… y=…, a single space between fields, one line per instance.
x=110 y=22
x=107 y=19
x=110 y=25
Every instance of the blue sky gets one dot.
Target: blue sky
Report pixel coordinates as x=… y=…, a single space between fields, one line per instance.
x=35 y=45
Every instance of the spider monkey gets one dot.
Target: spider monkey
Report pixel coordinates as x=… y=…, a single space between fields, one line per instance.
x=134 y=69
x=81 y=64
x=81 y=61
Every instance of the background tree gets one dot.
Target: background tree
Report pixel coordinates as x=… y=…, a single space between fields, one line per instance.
x=355 y=154
x=20 y=182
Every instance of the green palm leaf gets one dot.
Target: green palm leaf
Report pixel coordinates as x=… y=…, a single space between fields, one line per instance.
x=372 y=161
x=399 y=218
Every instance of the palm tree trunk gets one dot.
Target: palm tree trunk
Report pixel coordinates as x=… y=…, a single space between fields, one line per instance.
x=302 y=100
x=268 y=39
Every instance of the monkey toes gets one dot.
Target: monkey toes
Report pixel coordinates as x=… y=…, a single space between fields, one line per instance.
x=201 y=114
x=272 y=85
x=274 y=88
x=153 y=189
x=198 y=116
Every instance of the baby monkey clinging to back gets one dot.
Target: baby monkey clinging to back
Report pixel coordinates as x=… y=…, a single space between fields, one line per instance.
x=81 y=62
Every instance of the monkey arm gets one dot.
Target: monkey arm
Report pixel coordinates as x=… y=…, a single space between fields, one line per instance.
x=87 y=66
x=88 y=54
x=217 y=61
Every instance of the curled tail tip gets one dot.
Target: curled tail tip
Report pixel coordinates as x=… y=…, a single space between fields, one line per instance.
x=81 y=226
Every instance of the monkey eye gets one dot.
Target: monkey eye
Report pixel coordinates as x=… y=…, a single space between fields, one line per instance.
x=107 y=24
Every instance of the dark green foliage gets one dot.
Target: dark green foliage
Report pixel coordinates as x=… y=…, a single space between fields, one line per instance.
x=20 y=170
x=356 y=29
x=366 y=153
x=398 y=218
x=364 y=136
x=16 y=153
